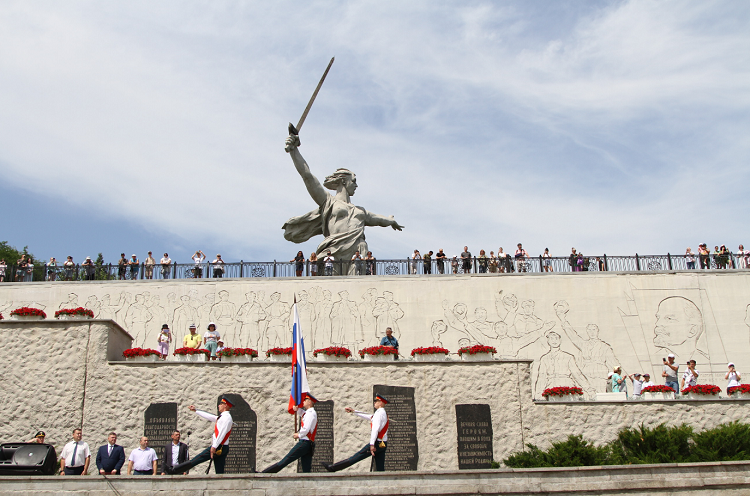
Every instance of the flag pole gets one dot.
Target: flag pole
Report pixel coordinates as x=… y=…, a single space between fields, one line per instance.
x=296 y=426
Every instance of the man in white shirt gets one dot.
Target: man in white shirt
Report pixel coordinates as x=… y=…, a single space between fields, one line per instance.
x=690 y=377
x=637 y=384
x=142 y=460
x=378 y=438
x=75 y=456
x=305 y=446
x=219 y=441
x=328 y=260
x=165 y=262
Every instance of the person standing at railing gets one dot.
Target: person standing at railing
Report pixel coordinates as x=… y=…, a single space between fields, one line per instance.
x=689 y=258
x=521 y=257
x=3 y=267
x=52 y=269
x=493 y=263
x=743 y=258
x=198 y=258
x=148 y=266
x=503 y=260
x=299 y=263
x=573 y=260
x=483 y=261
x=69 y=266
x=370 y=264
x=88 y=269
x=357 y=260
x=328 y=261
x=122 y=267
x=427 y=263
x=134 y=265
x=166 y=262
x=21 y=268
x=29 y=270
x=547 y=261
x=218 y=267
x=704 y=256
x=313 y=264
x=440 y=258
x=414 y=261
x=466 y=260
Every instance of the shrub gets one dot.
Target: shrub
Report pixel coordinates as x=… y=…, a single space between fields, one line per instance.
x=660 y=444
x=726 y=442
x=573 y=452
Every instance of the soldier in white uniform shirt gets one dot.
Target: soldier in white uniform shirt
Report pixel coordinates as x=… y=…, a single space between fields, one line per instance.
x=378 y=439
x=305 y=447
x=219 y=441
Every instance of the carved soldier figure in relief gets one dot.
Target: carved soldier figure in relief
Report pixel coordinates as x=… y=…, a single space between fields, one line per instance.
x=342 y=223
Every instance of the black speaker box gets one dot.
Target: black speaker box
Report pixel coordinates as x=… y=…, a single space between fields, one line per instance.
x=27 y=459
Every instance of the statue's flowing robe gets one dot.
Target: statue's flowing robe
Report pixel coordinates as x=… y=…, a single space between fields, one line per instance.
x=342 y=245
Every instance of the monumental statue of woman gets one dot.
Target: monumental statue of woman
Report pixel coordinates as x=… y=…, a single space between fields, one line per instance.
x=336 y=218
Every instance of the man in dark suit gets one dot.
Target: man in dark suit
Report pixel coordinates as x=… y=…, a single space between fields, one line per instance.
x=111 y=457
x=174 y=454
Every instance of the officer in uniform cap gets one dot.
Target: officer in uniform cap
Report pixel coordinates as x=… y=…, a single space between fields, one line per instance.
x=219 y=441
x=305 y=448
x=378 y=439
x=39 y=438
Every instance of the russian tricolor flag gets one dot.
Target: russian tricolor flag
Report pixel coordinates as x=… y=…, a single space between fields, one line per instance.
x=300 y=387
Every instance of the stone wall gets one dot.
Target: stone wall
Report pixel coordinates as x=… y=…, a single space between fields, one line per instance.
x=602 y=318
x=58 y=377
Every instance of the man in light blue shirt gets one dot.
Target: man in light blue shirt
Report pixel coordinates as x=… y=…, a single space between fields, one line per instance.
x=389 y=340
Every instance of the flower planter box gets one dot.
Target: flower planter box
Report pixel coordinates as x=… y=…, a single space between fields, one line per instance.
x=657 y=396
x=66 y=316
x=432 y=357
x=280 y=358
x=478 y=357
x=378 y=358
x=322 y=357
x=699 y=397
x=237 y=359
x=197 y=357
x=740 y=396
x=565 y=398
x=27 y=317
x=145 y=358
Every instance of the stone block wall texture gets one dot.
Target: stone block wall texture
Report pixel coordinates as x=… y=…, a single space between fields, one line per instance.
x=57 y=377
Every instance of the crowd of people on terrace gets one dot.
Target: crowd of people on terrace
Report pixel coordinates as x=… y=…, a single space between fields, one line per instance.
x=363 y=263
x=617 y=380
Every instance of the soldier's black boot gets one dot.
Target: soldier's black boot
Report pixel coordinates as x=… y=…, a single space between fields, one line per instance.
x=338 y=465
x=272 y=469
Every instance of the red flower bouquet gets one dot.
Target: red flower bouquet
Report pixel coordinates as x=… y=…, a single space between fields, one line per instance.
x=562 y=391
x=333 y=350
x=477 y=348
x=742 y=388
x=702 y=389
x=1 y=316
x=73 y=312
x=29 y=312
x=139 y=352
x=430 y=350
x=378 y=350
x=279 y=351
x=226 y=352
x=661 y=388
x=190 y=351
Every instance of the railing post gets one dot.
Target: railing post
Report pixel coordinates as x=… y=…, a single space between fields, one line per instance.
x=637 y=263
x=174 y=270
x=669 y=261
x=541 y=268
x=109 y=272
x=241 y=264
x=142 y=269
x=475 y=265
x=274 y=268
x=606 y=267
x=307 y=268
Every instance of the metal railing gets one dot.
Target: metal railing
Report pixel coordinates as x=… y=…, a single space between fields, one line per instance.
x=242 y=269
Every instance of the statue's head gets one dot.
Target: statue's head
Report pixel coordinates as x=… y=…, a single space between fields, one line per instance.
x=342 y=177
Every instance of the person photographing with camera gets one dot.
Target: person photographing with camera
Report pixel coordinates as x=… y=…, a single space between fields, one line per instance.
x=690 y=377
x=670 y=372
x=732 y=376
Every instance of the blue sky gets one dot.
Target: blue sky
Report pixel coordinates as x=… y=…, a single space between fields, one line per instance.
x=614 y=127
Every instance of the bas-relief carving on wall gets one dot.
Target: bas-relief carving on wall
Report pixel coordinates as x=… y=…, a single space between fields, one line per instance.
x=566 y=349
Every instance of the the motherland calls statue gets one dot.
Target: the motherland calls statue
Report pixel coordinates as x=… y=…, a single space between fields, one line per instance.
x=342 y=223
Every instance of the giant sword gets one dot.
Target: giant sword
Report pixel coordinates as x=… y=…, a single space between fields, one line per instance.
x=294 y=131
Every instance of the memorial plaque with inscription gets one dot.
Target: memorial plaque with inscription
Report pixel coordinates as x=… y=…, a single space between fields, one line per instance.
x=159 y=422
x=474 y=430
x=241 y=456
x=403 y=448
x=323 y=437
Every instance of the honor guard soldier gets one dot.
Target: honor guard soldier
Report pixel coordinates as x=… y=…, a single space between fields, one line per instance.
x=219 y=441
x=305 y=448
x=378 y=439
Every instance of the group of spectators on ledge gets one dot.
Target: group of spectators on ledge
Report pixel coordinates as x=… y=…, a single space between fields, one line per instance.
x=110 y=458
x=617 y=380
x=363 y=264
